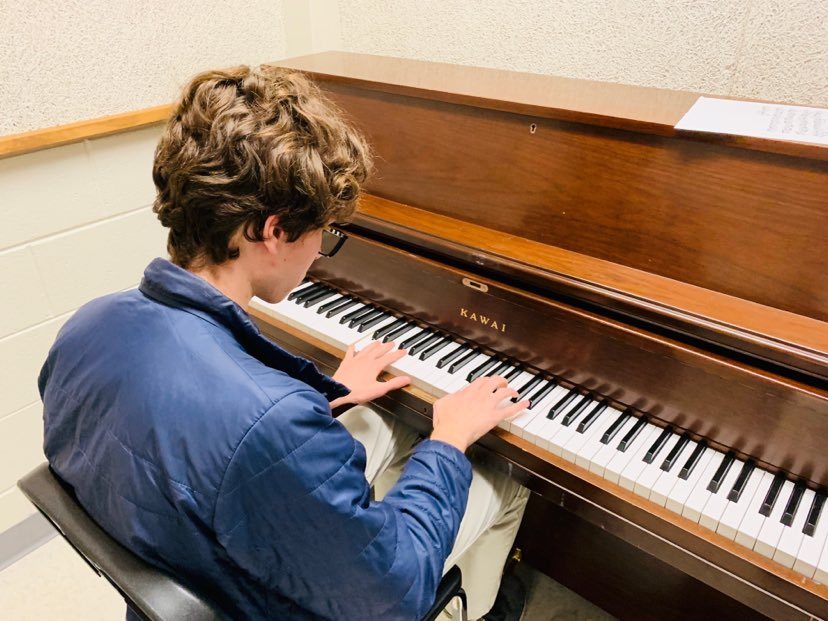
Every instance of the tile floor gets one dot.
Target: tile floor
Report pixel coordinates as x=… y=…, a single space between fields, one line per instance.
x=52 y=583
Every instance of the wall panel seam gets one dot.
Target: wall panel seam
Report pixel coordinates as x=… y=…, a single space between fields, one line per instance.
x=10 y=414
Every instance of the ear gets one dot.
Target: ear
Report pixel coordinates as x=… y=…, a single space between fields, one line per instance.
x=273 y=236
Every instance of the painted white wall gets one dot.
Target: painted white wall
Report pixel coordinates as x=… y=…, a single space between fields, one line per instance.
x=75 y=221
x=767 y=49
x=66 y=60
x=75 y=224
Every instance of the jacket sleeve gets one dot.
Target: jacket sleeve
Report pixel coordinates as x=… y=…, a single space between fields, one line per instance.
x=294 y=512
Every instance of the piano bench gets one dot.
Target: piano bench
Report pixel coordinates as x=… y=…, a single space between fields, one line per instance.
x=150 y=593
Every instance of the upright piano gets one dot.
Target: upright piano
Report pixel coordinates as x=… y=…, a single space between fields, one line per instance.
x=660 y=295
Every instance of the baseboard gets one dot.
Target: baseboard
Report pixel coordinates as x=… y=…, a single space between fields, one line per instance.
x=22 y=538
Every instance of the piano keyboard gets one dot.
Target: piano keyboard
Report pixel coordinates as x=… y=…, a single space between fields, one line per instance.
x=780 y=519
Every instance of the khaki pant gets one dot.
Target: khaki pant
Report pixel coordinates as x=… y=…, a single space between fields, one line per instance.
x=493 y=513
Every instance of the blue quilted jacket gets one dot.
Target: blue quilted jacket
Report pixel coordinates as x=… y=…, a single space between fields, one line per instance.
x=212 y=453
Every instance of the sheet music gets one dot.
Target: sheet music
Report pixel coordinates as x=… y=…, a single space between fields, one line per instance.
x=762 y=120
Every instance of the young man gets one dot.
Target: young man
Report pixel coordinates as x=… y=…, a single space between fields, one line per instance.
x=211 y=452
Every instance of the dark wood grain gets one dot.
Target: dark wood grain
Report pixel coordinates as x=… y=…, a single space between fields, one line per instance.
x=748 y=224
x=792 y=341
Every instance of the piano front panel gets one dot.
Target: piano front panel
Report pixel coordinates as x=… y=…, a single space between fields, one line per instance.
x=727 y=403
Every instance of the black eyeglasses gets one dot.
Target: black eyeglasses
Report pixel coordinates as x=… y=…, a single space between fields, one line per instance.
x=332 y=240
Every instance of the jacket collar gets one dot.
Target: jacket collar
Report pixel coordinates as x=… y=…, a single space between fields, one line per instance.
x=176 y=287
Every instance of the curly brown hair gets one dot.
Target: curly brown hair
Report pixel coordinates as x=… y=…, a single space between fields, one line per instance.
x=243 y=144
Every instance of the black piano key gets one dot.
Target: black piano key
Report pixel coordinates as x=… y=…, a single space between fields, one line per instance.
x=773 y=494
x=309 y=293
x=339 y=308
x=383 y=330
x=293 y=294
x=394 y=334
x=695 y=458
x=793 y=503
x=673 y=455
x=318 y=297
x=562 y=403
x=610 y=433
x=593 y=415
x=452 y=355
x=632 y=434
x=813 y=515
x=574 y=412
x=356 y=314
x=527 y=388
x=424 y=344
x=366 y=325
x=356 y=322
x=332 y=304
x=481 y=369
x=463 y=361
x=436 y=347
x=721 y=472
x=659 y=443
x=513 y=374
x=499 y=369
x=415 y=338
x=741 y=481
x=540 y=393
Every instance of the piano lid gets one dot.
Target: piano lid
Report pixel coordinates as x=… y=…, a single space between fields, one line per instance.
x=585 y=189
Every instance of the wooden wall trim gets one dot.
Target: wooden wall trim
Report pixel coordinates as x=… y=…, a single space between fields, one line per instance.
x=26 y=142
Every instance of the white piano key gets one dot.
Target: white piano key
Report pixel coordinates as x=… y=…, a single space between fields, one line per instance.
x=600 y=459
x=535 y=431
x=701 y=475
x=667 y=480
x=752 y=523
x=516 y=383
x=811 y=551
x=633 y=469
x=635 y=451
x=540 y=408
x=768 y=537
x=717 y=503
x=736 y=511
x=579 y=440
x=566 y=432
x=591 y=443
x=792 y=536
x=821 y=573
x=695 y=502
x=651 y=472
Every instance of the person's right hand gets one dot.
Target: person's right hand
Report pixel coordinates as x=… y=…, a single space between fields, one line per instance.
x=461 y=418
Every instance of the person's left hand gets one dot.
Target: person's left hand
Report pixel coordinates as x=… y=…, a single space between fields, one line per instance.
x=359 y=371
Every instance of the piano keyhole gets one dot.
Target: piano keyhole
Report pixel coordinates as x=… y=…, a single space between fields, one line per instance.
x=533 y=128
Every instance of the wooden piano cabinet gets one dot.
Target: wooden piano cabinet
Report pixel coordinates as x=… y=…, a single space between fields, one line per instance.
x=700 y=560
x=568 y=225
x=615 y=575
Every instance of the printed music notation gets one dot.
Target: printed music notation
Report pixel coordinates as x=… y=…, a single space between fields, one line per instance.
x=762 y=120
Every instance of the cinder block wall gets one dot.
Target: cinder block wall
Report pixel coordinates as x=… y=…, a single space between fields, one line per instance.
x=75 y=223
